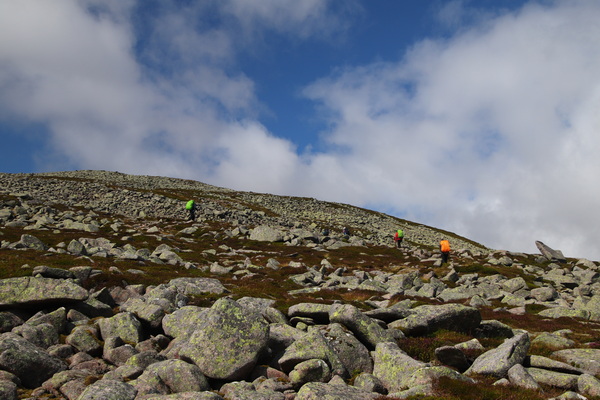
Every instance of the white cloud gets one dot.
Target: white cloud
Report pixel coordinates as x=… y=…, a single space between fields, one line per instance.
x=492 y=129
x=489 y=133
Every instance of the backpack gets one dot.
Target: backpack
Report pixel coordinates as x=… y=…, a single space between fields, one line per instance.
x=400 y=233
x=189 y=205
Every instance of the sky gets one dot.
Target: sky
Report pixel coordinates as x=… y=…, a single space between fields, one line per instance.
x=479 y=117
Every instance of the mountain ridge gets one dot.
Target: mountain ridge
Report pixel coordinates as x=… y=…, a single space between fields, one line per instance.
x=374 y=226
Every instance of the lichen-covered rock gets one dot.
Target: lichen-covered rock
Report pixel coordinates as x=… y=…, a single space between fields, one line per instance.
x=428 y=319
x=586 y=359
x=28 y=362
x=107 y=389
x=264 y=233
x=313 y=370
x=393 y=367
x=184 y=396
x=8 y=390
x=124 y=325
x=498 y=361
x=326 y=391
x=317 y=311
x=554 y=379
x=312 y=345
x=197 y=286
x=354 y=355
x=452 y=357
x=29 y=291
x=183 y=321
x=518 y=376
x=179 y=376
x=588 y=385
x=42 y=335
x=85 y=338
x=227 y=342
x=366 y=329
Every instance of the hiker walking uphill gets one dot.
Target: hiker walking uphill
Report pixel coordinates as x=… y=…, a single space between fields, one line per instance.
x=398 y=236
x=191 y=207
x=445 y=249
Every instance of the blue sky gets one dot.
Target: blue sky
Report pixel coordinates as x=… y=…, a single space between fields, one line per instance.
x=479 y=117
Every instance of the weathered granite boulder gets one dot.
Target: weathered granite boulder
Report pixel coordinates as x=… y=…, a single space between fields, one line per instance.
x=8 y=390
x=326 y=391
x=554 y=379
x=184 y=321
x=227 y=342
x=393 y=367
x=428 y=319
x=31 y=242
x=124 y=325
x=586 y=359
x=27 y=361
x=312 y=345
x=107 y=389
x=352 y=353
x=588 y=385
x=264 y=233
x=30 y=291
x=518 y=376
x=549 y=253
x=498 y=361
x=366 y=329
x=197 y=286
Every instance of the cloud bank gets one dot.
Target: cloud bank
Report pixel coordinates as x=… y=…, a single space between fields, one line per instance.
x=489 y=132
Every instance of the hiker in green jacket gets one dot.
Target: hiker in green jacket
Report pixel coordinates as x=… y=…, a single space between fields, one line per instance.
x=398 y=236
x=191 y=207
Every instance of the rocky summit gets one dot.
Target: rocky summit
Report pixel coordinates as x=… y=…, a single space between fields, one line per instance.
x=108 y=290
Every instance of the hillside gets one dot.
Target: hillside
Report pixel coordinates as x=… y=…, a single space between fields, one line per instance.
x=104 y=276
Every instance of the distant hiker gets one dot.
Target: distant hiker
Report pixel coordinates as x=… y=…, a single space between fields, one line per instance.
x=398 y=236
x=191 y=207
x=445 y=249
x=325 y=232
x=346 y=231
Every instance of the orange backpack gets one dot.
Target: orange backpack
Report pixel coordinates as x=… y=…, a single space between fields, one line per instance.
x=445 y=246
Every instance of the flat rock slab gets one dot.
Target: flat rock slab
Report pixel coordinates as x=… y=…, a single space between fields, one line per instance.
x=26 y=291
x=586 y=359
x=428 y=319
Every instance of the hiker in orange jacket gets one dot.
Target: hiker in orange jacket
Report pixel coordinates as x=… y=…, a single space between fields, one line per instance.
x=445 y=249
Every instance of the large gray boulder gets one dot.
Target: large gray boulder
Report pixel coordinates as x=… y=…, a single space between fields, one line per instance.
x=325 y=391
x=108 y=389
x=498 y=361
x=227 y=342
x=312 y=345
x=366 y=329
x=264 y=233
x=549 y=253
x=393 y=367
x=27 y=361
x=352 y=353
x=184 y=321
x=124 y=325
x=586 y=359
x=428 y=319
x=172 y=376
x=197 y=286
x=30 y=291
x=31 y=242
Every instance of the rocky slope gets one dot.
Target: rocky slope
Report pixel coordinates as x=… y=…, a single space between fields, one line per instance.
x=108 y=292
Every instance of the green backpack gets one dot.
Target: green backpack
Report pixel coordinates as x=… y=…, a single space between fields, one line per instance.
x=189 y=205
